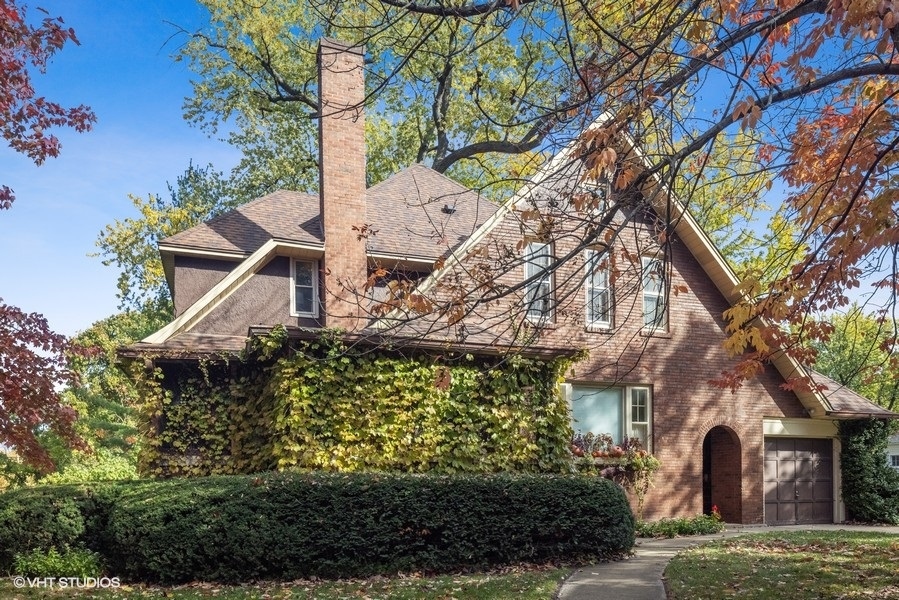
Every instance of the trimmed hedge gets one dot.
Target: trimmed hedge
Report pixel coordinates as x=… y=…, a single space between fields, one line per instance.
x=294 y=525
x=54 y=517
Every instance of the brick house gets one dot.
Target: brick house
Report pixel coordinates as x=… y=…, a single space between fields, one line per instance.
x=534 y=273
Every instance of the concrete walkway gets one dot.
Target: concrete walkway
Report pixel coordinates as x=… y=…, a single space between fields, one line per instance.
x=639 y=577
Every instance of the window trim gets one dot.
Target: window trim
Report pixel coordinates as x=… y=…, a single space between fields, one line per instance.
x=313 y=267
x=663 y=295
x=592 y=256
x=894 y=461
x=626 y=407
x=545 y=316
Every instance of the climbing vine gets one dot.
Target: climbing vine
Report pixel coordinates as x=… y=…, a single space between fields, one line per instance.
x=321 y=405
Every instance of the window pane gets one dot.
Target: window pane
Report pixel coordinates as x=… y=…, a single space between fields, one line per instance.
x=654 y=314
x=597 y=411
x=303 y=274
x=304 y=299
x=653 y=275
x=641 y=432
x=639 y=405
x=538 y=296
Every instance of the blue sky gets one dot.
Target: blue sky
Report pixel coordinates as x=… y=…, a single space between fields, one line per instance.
x=124 y=71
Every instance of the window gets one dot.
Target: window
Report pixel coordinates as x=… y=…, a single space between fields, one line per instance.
x=538 y=291
x=304 y=286
x=622 y=412
x=599 y=293
x=655 y=293
x=894 y=461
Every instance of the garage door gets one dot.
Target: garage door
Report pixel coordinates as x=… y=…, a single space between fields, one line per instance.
x=798 y=481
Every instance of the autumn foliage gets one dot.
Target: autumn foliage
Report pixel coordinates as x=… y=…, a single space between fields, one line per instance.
x=32 y=370
x=25 y=117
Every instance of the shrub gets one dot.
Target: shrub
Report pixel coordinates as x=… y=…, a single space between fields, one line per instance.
x=47 y=517
x=294 y=525
x=680 y=526
x=870 y=486
x=51 y=563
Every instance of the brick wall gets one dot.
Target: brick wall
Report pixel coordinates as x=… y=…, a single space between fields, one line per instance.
x=342 y=177
x=678 y=363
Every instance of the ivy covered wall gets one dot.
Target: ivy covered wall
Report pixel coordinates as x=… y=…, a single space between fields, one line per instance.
x=320 y=405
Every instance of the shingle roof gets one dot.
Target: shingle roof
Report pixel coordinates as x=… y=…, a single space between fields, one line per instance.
x=419 y=212
x=416 y=213
x=281 y=215
x=847 y=403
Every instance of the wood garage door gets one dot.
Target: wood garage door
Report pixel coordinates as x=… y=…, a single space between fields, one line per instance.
x=798 y=481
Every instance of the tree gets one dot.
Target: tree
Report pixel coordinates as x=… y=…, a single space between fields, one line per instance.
x=130 y=244
x=813 y=80
x=32 y=358
x=26 y=118
x=470 y=93
x=32 y=368
x=859 y=354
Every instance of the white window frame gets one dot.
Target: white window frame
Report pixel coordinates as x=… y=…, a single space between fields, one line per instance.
x=627 y=395
x=597 y=280
x=894 y=461
x=532 y=295
x=660 y=297
x=313 y=267
x=630 y=422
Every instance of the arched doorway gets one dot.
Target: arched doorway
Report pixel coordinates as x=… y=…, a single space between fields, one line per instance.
x=722 y=474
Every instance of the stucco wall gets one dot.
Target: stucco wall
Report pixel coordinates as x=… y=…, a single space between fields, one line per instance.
x=264 y=299
x=196 y=276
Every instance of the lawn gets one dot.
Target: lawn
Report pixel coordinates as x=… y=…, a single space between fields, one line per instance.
x=521 y=584
x=799 y=565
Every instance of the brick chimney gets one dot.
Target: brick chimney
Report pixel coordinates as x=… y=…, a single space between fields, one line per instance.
x=341 y=138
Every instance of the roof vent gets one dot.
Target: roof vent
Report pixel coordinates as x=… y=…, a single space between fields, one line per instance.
x=447 y=209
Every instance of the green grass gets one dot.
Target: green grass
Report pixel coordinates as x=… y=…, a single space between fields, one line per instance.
x=796 y=565
x=520 y=584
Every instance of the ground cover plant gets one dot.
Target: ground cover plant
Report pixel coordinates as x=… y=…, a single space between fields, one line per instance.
x=522 y=583
x=681 y=526
x=800 y=565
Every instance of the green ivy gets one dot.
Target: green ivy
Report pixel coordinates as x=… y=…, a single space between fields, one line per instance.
x=320 y=405
x=870 y=486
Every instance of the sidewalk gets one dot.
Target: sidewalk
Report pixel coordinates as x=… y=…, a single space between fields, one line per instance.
x=640 y=576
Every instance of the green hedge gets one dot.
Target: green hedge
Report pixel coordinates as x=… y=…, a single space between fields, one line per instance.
x=293 y=525
x=54 y=516
x=870 y=486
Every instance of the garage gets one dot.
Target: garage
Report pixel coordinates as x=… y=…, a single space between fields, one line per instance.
x=798 y=481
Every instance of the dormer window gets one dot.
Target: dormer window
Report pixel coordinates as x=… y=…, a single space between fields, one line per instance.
x=304 y=288
x=538 y=282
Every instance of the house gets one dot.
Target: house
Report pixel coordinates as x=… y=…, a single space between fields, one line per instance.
x=644 y=300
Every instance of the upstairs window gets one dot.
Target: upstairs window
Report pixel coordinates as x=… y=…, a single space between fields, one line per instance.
x=655 y=293
x=894 y=461
x=538 y=287
x=304 y=286
x=599 y=292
